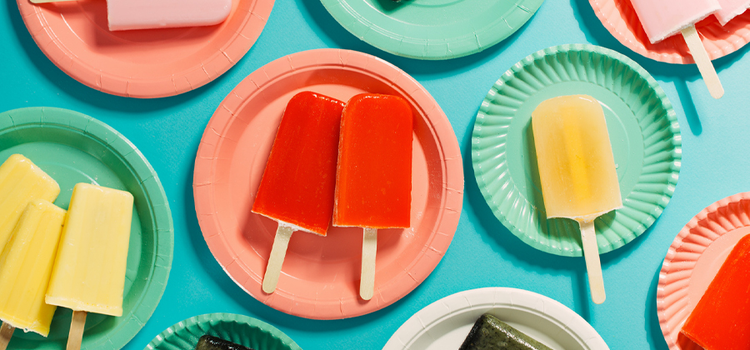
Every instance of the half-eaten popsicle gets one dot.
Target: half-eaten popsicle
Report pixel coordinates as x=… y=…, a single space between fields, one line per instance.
x=664 y=18
x=89 y=271
x=153 y=14
x=298 y=183
x=25 y=268
x=373 y=179
x=577 y=170
x=21 y=182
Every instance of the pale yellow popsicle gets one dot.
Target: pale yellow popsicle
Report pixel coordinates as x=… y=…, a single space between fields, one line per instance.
x=26 y=265
x=577 y=170
x=576 y=166
x=89 y=273
x=20 y=182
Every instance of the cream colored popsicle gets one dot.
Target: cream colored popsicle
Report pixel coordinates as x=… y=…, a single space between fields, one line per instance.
x=20 y=182
x=26 y=265
x=577 y=170
x=663 y=18
x=89 y=272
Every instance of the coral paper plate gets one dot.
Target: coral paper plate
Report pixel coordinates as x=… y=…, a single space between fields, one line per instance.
x=141 y=63
x=445 y=323
x=320 y=276
x=619 y=17
x=432 y=29
x=643 y=129
x=692 y=261
x=238 y=329
x=72 y=148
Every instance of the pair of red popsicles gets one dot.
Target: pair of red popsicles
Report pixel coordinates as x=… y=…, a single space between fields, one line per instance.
x=350 y=162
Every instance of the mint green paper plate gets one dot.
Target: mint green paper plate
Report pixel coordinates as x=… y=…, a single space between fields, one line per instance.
x=239 y=329
x=71 y=148
x=432 y=29
x=643 y=130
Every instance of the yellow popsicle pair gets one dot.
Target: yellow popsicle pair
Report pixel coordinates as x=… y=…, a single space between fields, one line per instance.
x=86 y=273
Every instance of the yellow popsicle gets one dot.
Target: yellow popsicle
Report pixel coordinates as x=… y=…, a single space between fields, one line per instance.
x=26 y=265
x=576 y=165
x=89 y=272
x=577 y=170
x=20 y=182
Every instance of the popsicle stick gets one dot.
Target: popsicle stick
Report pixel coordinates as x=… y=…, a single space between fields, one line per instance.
x=369 y=250
x=278 y=252
x=593 y=265
x=76 y=330
x=6 y=332
x=705 y=66
x=46 y=1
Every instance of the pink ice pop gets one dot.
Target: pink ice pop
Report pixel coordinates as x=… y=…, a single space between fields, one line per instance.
x=731 y=9
x=154 y=14
x=664 y=18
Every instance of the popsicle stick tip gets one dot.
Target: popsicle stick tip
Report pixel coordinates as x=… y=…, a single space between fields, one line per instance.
x=369 y=250
x=276 y=259
x=705 y=66
x=593 y=265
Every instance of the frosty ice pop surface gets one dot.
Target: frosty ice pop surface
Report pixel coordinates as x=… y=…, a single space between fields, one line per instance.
x=89 y=272
x=720 y=319
x=731 y=9
x=577 y=170
x=298 y=182
x=576 y=166
x=664 y=18
x=20 y=182
x=154 y=14
x=26 y=265
x=373 y=182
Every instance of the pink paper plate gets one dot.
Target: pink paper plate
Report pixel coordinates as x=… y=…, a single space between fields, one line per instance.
x=141 y=63
x=619 y=17
x=694 y=258
x=320 y=276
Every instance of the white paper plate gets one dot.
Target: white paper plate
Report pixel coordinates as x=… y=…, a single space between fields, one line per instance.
x=445 y=323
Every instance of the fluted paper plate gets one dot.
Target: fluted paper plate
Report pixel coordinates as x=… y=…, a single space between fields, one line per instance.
x=643 y=129
x=619 y=17
x=239 y=329
x=692 y=261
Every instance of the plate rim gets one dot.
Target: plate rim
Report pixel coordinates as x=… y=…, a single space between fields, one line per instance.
x=741 y=38
x=423 y=318
x=265 y=327
x=670 y=116
x=712 y=213
x=163 y=229
x=86 y=73
x=452 y=187
x=385 y=40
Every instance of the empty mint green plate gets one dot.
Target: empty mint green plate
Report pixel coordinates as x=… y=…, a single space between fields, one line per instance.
x=643 y=130
x=71 y=148
x=239 y=329
x=432 y=29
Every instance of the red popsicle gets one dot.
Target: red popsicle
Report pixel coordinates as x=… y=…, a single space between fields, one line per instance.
x=297 y=187
x=373 y=181
x=721 y=320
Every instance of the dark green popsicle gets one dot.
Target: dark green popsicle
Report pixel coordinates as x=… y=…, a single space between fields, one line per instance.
x=208 y=342
x=489 y=333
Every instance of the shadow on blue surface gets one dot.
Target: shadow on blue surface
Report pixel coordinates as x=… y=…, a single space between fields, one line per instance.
x=83 y=93
x=337 y=36
x=677 y=73
x=653 y=329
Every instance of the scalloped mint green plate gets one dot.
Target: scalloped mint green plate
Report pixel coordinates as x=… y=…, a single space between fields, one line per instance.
x=432 y=29
x=643 y=130
x=72 y=147
x=239 y=329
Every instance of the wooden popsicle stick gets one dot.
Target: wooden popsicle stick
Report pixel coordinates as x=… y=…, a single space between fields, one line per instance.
x=593 y=265
x=278 y=252
x=705 y=66
x=369 y=250
x=47 y=1
x=75 y=337
x=6 y=332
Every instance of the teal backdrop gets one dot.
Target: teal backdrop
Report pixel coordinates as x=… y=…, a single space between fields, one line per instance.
x=483 y=253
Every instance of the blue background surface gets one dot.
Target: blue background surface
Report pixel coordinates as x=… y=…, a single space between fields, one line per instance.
x=483 y=253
